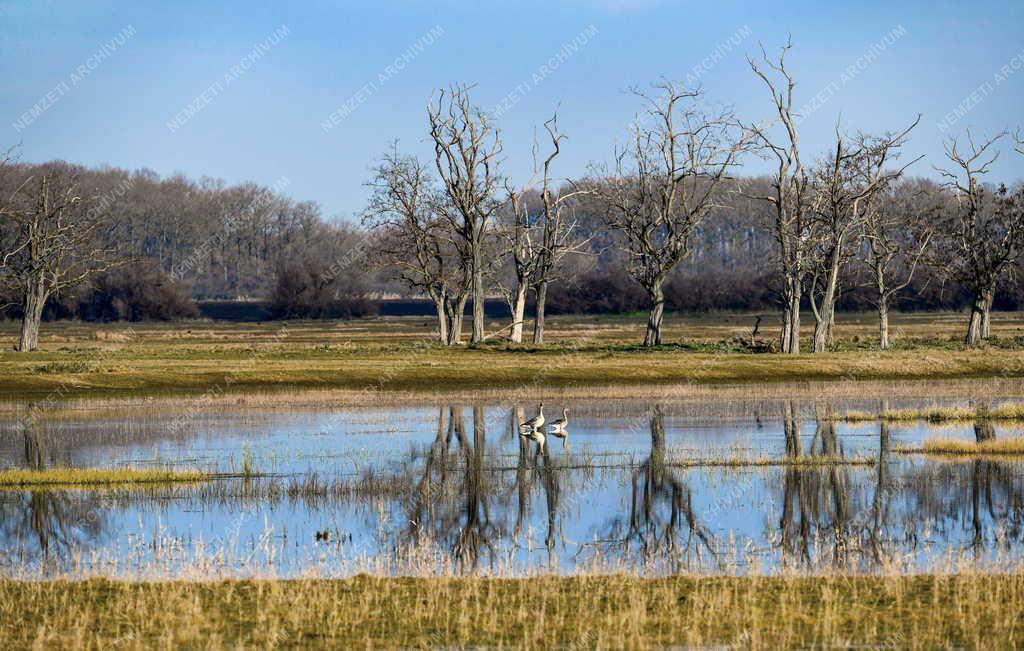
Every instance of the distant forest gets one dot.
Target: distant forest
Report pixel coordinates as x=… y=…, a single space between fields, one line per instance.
x=191 y=240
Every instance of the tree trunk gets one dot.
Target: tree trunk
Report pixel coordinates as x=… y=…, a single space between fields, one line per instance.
x=787 y=326
x=35 y=299
x=455 y=314
x=820 y=343
x=478 y=294
x=442 y=319
x=830 y=332
x=826 y=315
x=974 y=326
x=657 y=295
x=984 y=430
x=794 y=326
x=883 y=324
x=538 y=322
x=790 y=338
x=878 y=267
x=518 y=313
x=986 y=313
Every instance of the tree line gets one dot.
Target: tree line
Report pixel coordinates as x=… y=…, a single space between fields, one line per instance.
x=667 y=223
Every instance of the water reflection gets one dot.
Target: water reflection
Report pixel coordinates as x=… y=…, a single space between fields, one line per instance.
x=465 y=484
x=46 y=526
x=662 y=524
x=816 y=500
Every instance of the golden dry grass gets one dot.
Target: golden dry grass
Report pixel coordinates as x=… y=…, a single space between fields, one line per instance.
x=804 y=460
x=56 y=477
x=967 y=610
x=1005 y=412
x=958 y=447
x=396 y=355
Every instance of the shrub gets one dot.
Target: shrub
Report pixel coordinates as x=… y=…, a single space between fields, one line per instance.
x=140 y=291
x=310 y=289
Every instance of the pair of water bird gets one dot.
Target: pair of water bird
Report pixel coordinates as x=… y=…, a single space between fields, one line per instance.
x=533 y=428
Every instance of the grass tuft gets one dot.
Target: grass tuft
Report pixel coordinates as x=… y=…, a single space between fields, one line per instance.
x=1008 y=412
x=804 y=460
x=858 y=416
x=1009 y=446
x=94 y=477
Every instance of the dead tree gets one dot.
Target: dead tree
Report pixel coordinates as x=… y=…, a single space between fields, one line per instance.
x=558 y=231
x=790 y=196
x=664 y=184
x=56 y=242
x=414 y=241
x=843 y=186
x=898 y=227
x=466 y=150
x=982 y=234
x=520 y=234
x=540 y=239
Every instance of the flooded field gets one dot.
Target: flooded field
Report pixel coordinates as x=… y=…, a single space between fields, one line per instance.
x=758 y=486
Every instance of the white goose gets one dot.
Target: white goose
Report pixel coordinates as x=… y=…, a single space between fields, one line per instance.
x=536 y=422
x=560 y=427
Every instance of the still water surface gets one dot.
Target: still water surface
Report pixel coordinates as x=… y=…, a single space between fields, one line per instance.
x=454 y=488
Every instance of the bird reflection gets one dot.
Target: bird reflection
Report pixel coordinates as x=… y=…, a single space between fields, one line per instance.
x=560 y=428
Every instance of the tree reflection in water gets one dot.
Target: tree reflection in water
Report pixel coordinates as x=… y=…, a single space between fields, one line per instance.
x=46 y=526
x=474 y=501
x=828 y=512
x=660 y=508
x=460 y=501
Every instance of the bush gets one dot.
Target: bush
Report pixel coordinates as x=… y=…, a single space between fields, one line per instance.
x=597 y=292
x=310 y=289
x=140 y=291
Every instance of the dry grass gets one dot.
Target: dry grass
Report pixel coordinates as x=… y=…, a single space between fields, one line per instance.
x=596 y=397
x=802 y=461
x=55 y=477
x=858 y=416
x=941 y=611
x=957 y=447
x=1006 y=412
x=395 y=354
x=1013 y=411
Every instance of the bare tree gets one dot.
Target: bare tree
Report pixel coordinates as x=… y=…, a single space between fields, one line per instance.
x=466 y=150
x=415 y=242
x=539 y=240
x=898 y=227
x=664 y=184
x=844 y=184
x=983 y=230
x=559 y=237
x=56 y=242
x=790 y=195
x=521 y=235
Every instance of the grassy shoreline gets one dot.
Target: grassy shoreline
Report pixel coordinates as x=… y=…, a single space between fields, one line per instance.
x=927 y=611
x=398 y=355
x=64 y=374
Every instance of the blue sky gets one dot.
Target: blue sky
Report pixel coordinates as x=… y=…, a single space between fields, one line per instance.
x=265 y=121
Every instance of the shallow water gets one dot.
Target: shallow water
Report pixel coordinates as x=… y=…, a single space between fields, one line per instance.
x=453 y=488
